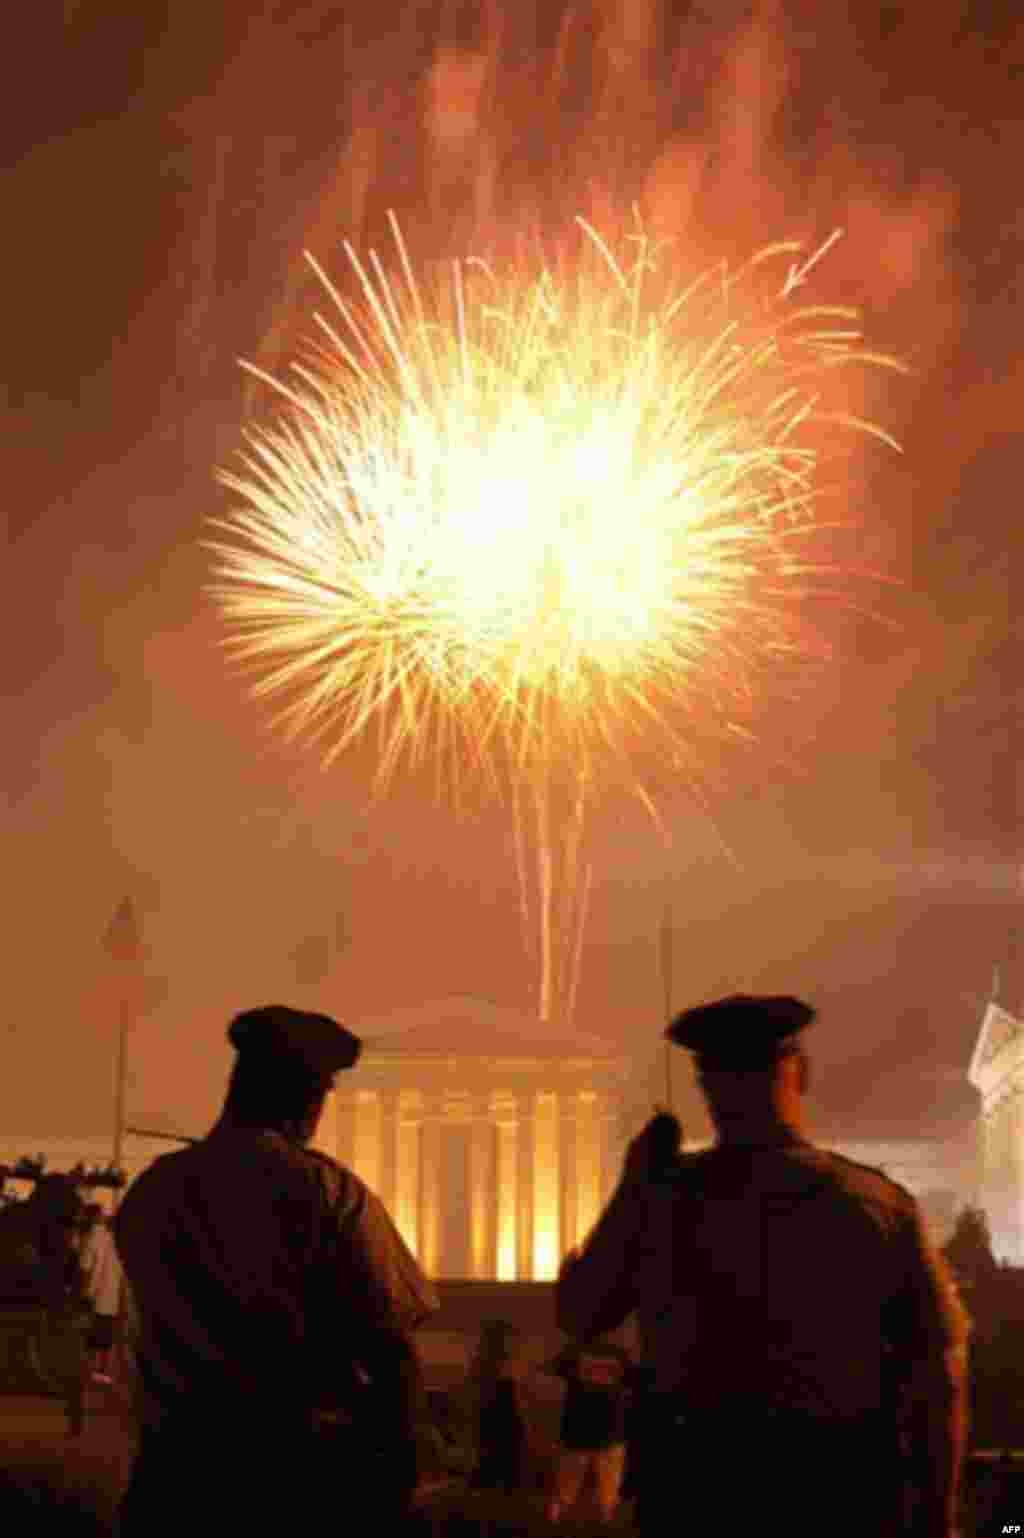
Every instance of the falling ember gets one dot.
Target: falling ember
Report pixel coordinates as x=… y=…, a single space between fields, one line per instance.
x=540 y=530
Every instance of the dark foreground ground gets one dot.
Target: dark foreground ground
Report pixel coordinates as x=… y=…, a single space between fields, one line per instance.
x=55 y=1484
x=58 y=1484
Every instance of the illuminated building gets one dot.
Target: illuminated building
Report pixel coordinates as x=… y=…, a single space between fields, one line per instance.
x=997 y=1072
x=493 y=1141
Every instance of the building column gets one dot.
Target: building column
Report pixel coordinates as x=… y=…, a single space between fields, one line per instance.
x=345 y=1126
x=1015 y=1170
x=387 y=1190
x=588 y=1166
x=546 y=1187
x=989 y=1192
x=430 y=1189
x=484 y=1195
x=568 y=1150
x=455 y=1217
x=997 y=1181
x=999 y=1177
x=526 y=1132
x=505 y=1113
x=366 y=1154
x=610 y=1137
x=407 y=1169
x=1007 y=1172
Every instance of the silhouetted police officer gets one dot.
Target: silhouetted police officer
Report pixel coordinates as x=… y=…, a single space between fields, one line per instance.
x=275 y=1302
x=804 y=1339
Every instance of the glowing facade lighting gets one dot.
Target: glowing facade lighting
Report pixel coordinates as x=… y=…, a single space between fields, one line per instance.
x=407 y=1171
x=505 y=1195
x=546 y=1189
x=367 y=1152
x=588 y=1166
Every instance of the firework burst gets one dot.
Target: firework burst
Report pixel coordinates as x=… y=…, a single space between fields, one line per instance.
x=539 y=530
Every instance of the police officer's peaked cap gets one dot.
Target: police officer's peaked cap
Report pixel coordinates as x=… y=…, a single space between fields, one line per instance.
x=298 y=1036
x=742 y=1033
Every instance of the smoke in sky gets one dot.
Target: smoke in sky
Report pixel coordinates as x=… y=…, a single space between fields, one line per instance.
x=162 y=201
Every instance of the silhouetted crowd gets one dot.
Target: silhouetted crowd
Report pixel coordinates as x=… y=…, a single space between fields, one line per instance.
x=802 y=1344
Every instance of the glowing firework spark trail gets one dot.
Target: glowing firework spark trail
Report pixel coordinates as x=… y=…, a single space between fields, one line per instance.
x=539 y=530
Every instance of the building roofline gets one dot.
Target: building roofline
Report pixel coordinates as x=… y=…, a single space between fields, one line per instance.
x=518 y=1033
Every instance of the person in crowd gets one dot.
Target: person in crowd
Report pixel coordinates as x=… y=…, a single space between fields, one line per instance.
x=101 y=1273
x=275 y=1304
x=593 y=1429
x=40 y=1276
x=502 y=1434
x=806 y=1341
x=447 y=1436
x=38 y=1252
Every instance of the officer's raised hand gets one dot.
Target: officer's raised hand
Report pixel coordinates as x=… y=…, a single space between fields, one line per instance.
x=655 y=1147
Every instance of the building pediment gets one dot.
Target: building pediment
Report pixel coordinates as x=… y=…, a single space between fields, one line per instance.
x=475 y=1028
x=1000 y=1048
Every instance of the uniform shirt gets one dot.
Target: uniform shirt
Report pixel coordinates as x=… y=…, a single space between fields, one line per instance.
x=774 y=1274
x=259 y=1268
x=594 y=1411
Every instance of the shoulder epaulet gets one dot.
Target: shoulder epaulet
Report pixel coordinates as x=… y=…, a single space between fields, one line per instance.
x=341 y=1183
x=884 y=1179
x=321 y=1158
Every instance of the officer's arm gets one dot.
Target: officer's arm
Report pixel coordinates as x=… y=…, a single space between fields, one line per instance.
x=597 y=1289
x=393 y=1290
x=931 y=1334
x=394 y=1370
x=385 y=1296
